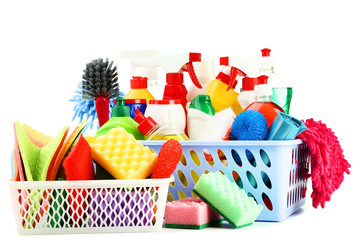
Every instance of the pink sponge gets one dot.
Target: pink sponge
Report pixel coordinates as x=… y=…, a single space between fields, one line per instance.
x=192 y=213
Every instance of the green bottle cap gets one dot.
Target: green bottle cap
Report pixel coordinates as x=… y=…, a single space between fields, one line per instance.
x=120 y=110
x=203 y=103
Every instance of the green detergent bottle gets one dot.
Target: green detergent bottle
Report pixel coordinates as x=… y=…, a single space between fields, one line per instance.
x=120 y=118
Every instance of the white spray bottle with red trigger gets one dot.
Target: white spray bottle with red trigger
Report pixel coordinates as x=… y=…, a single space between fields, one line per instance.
x=144 y=63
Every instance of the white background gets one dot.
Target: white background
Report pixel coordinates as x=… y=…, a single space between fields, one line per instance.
x=46 y=45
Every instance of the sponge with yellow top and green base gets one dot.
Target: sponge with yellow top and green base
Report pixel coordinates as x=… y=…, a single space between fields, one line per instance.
x=227 y=199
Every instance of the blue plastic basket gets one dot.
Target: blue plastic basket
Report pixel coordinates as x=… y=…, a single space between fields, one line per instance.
x=274 y=173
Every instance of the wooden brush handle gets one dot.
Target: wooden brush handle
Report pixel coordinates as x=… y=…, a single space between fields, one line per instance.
x=102 y=109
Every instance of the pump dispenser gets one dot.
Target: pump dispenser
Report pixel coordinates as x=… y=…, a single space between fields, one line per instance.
x=145 y=63
x=121 y=117
x=138 y=89
x=282 y=90
x=222 y=89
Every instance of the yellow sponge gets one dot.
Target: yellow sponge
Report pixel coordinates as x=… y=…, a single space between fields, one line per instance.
x=122 y=156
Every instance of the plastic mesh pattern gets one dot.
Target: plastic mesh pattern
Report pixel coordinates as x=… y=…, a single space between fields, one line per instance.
x=85 y=208
x=274 y=173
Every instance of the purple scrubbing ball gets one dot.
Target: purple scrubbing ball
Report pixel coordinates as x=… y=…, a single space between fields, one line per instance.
x=249 y=125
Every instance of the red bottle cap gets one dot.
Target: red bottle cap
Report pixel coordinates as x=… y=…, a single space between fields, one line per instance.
x=138 y=82
x=165 y=102
x=175 y=77
x=134 y=101
x=248 y=84
x=145 y=124
x=224 y=61
x=194 y=57
x=265 y=52
x=262 y=79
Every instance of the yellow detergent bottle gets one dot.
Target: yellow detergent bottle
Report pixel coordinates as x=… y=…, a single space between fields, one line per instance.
x=139 y=89
x=221 y=89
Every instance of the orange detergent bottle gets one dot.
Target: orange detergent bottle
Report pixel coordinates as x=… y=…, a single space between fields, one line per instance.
x=221 y=89
x=263 y=103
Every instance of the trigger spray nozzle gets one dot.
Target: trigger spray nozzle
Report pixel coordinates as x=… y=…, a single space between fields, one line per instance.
x=235 y=73
x=189 y=67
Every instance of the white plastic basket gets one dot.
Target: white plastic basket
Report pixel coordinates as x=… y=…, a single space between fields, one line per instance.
x=89 y=206
x=274 y=173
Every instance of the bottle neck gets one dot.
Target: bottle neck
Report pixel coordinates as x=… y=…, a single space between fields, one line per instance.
x=267 y=66
x=155 y=130
x=263 y=98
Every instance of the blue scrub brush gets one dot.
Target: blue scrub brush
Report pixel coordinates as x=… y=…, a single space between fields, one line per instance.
x=87 y=107
x=249 y=125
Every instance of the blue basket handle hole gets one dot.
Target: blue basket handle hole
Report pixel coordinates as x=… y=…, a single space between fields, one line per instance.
x=266 y=180
x=250 y=157
x=265 y=158
x=236 y=157
x=195 y=158
x=267 y=201
x=208 y=157
x=237 y=179
x=182 y=178
x=251 y=179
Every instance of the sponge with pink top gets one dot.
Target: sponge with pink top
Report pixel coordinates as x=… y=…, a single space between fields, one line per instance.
x=191 y=213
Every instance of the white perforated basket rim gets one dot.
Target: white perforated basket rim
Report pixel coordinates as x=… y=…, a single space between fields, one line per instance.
x=90 y=184
x=230 y=143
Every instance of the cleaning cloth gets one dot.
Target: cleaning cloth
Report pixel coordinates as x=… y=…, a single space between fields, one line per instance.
x=328 y=163
x=285 y=127
x=37 y=160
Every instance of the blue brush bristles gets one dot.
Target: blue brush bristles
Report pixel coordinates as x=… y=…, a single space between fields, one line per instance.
x=87 y=107
x=249 y=125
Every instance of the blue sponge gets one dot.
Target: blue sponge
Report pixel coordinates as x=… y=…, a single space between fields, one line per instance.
x=249 y=125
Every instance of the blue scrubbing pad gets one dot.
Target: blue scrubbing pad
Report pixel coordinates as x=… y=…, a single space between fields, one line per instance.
x=249 y=125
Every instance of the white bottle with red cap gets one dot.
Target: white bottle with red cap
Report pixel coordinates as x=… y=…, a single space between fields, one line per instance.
x=170 y=115
x=247 y=95
x=282 y=89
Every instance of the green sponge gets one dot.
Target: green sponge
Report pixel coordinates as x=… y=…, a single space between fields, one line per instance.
x=227 y=199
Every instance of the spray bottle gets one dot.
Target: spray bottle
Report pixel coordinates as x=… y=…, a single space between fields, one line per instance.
x=282 y=90
x=174 y=66
x=205 y=72
x=222 y=89
x=144 y=63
